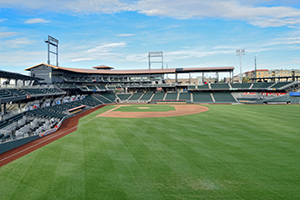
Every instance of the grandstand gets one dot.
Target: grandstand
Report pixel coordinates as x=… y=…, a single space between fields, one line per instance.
x=241 y=85
x=219 y=86
x=223 y=97
x=278 y=85
x=171 y=96
x=103 y=98
x=185 y=96
x=202 y=97
x=203 y=87
x=33 y=109
x=262 y=85
x=158 y=96
x=4 y=94
x=124 y=97
x=146 y=97
x=135 y=96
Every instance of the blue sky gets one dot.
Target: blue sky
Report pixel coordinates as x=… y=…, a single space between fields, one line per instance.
x=191 y=33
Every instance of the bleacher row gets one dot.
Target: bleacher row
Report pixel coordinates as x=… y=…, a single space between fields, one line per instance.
x=195 y=97
x=38 y=120
x=258 y=85
x=7 y=92
x=85 y=87
x=108 y=87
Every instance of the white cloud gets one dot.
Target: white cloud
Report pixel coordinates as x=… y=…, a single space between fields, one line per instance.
x=293 y=40
x=76 y=6
x=17 y=43
x=20 y=59
x=232 y=10
x=106 y=47
x=273 y=15
x=104 y=51
x=7 y=34
x=2 y=20
x=125 y=35
x=36 y=21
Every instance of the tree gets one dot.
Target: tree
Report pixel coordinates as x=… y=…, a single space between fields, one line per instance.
x=246 y=79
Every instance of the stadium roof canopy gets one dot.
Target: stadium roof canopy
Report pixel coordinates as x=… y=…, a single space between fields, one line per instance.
x=17 y=76
x=107 y=70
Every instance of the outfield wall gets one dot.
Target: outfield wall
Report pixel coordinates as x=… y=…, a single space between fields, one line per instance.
x=16 y=143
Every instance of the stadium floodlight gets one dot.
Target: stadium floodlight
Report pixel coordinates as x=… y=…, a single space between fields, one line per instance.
x=255 y=65
x=52 y=42
x=240 y=53
x=160 y=59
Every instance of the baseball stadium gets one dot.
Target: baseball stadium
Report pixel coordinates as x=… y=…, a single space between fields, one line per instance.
x=101 y=133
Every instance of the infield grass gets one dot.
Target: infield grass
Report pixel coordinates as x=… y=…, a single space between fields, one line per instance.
x=145 y=108
x=228 y=152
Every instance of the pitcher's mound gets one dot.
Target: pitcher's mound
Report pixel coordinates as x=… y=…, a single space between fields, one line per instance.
x=180 y=110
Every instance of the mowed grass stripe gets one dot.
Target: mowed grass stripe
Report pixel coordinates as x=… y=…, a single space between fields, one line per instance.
x=228 y=152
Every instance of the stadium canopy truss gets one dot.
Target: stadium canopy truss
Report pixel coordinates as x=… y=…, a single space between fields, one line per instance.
x=17 y=76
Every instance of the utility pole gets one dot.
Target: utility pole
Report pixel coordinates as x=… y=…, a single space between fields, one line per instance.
x=255 y=68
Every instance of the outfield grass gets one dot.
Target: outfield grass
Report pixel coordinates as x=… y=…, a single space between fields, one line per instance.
x=147 y=108
x=228 y=152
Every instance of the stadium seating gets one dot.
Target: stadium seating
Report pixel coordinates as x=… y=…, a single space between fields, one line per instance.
x=202 y=97
x=123 y=97
x=219 y=86
x=111 y=96
x=135 y=96
x=49 y=112
x=241 y=85
x=4 y=94
x=101 y=87
x=201 y=87
x=16 y=92
x=111 y=87
x=158 y=96
x=171 y=96
x=146 y=97
x=103 y=98
x=280 y=84
x=33 y=91
x=261 y=85
x=185 y=96
x=83 y=88
x=52 y=90
x=191 y=87
x=223 y=97
x=247 y=99
x=91 y=87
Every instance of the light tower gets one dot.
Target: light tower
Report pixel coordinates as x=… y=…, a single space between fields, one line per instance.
x=255 y=65
x=52 y=42
x=158 y=56
x=240 y=53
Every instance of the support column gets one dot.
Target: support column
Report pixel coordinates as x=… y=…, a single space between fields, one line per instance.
x=217 y=77
x=190 y=78
x=203 y=77
x=176 y=77
x=4 y=108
